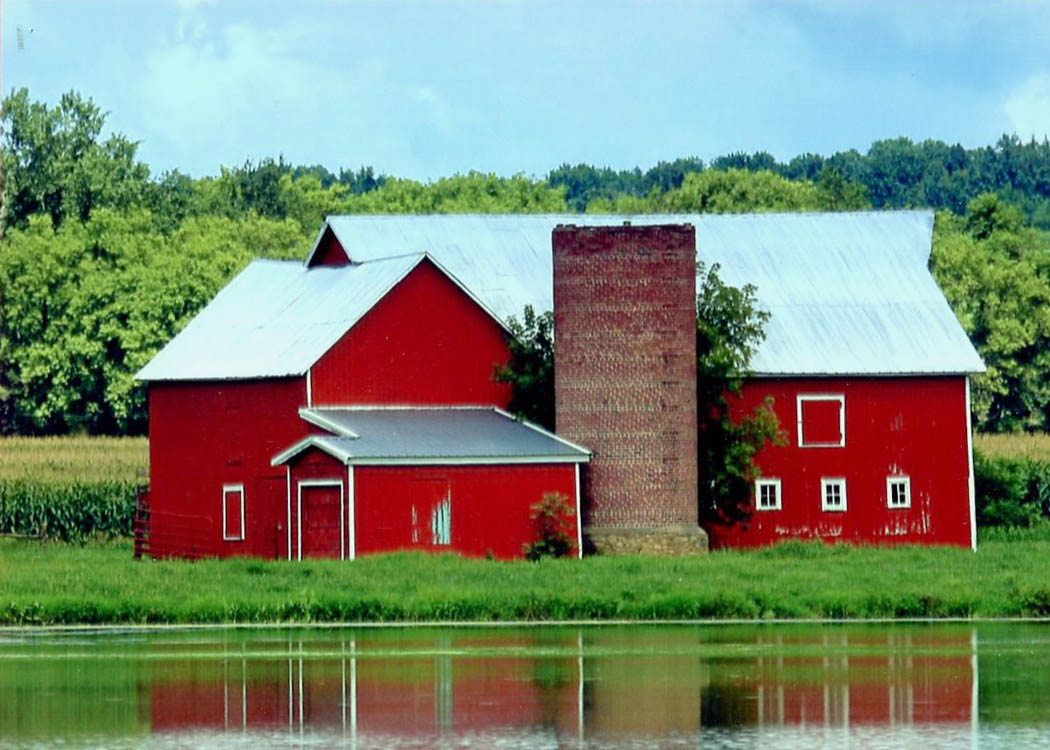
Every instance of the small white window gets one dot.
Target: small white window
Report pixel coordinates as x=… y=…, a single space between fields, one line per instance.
x=898 y=492
x=233 y=512
x=767 y=494
x=832 y=494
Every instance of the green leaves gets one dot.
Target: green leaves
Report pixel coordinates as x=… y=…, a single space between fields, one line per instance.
x=530 y=371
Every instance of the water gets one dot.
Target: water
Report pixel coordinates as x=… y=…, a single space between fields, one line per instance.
x=804 y=686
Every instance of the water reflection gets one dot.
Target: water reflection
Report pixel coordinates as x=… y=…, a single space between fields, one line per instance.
x=551 y=687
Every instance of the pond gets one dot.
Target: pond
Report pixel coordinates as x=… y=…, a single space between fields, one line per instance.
x=611 y=686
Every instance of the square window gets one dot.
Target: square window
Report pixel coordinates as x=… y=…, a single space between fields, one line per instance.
x=233 y=512
x=821 y=421
x=767 y=494
x=898 y=492
x=832 y=494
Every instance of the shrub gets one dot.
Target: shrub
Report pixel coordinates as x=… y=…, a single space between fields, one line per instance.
x=1011 y=491
x=554 y=529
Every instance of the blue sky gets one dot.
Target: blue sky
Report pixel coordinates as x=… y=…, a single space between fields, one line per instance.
x=428 y=89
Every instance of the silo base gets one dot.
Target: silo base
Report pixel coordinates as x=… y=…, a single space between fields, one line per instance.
x=660 y=541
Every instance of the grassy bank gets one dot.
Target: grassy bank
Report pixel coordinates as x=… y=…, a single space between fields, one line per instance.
x=64 y=584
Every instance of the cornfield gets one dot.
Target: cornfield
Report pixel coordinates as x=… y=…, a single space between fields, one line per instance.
x=1034 y=447
x=74 y=459
x=70 y=488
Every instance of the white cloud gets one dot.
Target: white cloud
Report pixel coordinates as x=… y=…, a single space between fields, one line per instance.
x=1028 y=107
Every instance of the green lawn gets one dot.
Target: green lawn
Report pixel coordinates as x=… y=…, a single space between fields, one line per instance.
x=100 y=583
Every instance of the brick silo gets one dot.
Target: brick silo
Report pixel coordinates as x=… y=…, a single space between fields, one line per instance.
x=625 y=381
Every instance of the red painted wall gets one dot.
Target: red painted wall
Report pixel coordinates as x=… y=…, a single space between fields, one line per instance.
x=425 y=343
x=490 y=506
x=910 y=426
x=205 y=435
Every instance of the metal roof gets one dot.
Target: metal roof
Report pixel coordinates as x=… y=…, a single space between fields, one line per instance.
x=275 y=319
x=414 y=435
x=848 y=293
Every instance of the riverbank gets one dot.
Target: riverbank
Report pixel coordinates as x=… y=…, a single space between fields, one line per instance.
x=59 y=584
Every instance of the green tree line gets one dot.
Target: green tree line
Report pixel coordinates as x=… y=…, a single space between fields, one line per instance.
x=101 y=261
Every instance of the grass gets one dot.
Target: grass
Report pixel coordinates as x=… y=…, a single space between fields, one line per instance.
x=55 y=584
x=74 y=459
x=1035 y=447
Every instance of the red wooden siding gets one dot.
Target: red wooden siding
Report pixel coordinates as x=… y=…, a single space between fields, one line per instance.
x=329 y=252
x=908 y=427
x=207 y=435
x=425 y=343
x=489 y=506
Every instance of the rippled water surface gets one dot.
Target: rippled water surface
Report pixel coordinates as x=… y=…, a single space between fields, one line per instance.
x=802 y=686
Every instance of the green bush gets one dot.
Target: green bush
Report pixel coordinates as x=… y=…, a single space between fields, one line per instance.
x=1011 y=491
x=71 y=511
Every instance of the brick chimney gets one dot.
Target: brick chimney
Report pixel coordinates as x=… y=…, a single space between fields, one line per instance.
x=625 y=381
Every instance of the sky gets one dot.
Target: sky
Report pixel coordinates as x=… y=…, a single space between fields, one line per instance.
x=430 y=89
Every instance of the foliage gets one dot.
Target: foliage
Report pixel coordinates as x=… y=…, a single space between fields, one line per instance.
x=55 y=164
x=995 y=274
x=70 y=512
x=84 y=306
x=554 y=527
x=729 y=325
x=1011 y=491
x=530 y=370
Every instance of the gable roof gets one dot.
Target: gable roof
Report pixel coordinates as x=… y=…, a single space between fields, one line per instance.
x=431 y=435
x=277 y=318
x=848 y=293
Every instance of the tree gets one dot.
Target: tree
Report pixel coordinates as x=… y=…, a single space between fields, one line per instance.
x=55 y=164
x=530 y=371
x=729 y=325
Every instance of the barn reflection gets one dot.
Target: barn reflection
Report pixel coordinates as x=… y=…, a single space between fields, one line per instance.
x=569 y=685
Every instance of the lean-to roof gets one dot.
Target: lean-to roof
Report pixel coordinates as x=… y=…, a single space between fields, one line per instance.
x=437 y=435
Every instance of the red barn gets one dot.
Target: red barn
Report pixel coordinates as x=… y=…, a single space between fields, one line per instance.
x=330 y=409
x=865 y=361
x=271 y=431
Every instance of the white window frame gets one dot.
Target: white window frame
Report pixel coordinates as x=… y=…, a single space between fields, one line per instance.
x=227 y=488
x=826 y=482
x=841 y=398
x=767 y=482
x=898 y=479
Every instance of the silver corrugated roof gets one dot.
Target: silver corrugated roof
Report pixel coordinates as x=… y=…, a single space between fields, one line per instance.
x=848 y=293
x=432 y=435
x=275 y=319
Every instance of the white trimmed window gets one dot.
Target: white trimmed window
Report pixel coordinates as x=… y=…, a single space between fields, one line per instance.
x=233 y=512
x=898 y=492
x=767 y=494
x=821 y=420
x=832 y=493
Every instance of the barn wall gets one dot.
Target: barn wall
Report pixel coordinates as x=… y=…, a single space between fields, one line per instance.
x=894 y=426
x=425 y=343
x=489 y=509
x=205 y=435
